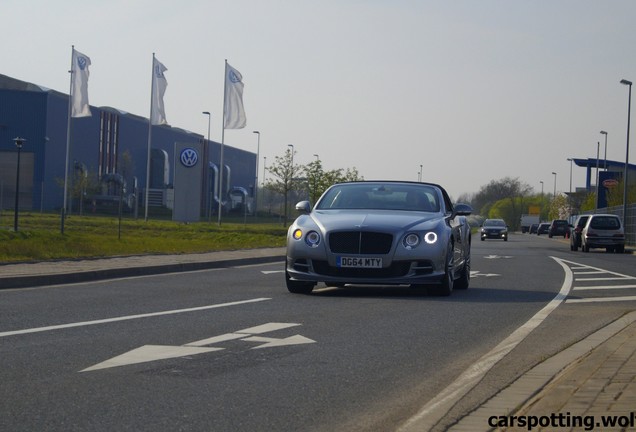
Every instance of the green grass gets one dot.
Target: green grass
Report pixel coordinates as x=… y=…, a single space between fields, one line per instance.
x=39 y=237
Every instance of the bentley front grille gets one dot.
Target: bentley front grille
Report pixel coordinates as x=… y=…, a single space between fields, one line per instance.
x=360 y=242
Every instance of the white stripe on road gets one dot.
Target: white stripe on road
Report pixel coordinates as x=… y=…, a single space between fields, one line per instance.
x=601 y=299
x=129 y=317
x=602 y=287
x=437 y=407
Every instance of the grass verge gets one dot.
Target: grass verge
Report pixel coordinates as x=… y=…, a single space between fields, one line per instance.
x=39 y=238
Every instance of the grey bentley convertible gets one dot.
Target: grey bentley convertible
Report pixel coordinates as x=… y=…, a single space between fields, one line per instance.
x=380 y=232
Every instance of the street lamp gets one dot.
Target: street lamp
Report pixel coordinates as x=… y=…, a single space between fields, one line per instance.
x=207 y=183
x=541 y=181
x=605 y=157
x=570 y=160
x=258 y=150
x=629 y=109
x=18 y=143
x=555 y=175
x=291 y=179
x=598 y=147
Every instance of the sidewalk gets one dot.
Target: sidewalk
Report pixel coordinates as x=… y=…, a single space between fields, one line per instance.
x=594 y=377
x=72 y=271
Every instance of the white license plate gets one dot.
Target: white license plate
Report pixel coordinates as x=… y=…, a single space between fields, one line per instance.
x=359 y=262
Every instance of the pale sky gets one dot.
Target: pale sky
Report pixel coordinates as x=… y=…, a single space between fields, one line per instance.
x=473 y=90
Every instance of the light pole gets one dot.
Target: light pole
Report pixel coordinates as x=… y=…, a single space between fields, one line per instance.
x=18 y=143
x=605 y=157
x=541 y=181
x=258 y=150
x=291 y=180
x=555 y=176
x=570 y=160
x=629 y=109
x=207 y=185
x=598 y=148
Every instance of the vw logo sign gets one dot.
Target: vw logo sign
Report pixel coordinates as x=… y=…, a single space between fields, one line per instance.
x=189 y=157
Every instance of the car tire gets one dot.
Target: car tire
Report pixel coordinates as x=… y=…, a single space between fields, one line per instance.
x=620 y=249
x=585 y=248
x=446 y=287
x=298 y=287
x=464 y=280
x=505 y=238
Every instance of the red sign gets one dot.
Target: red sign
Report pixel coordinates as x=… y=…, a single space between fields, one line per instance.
x=609 y=183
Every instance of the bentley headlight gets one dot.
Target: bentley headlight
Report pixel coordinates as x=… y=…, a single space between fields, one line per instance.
x=430 y=237
x=312 y=239
x=411 y=240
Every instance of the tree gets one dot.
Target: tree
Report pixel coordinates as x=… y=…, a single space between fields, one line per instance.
x=286 y=175
x=559 y=207
x=615 y=194
x=511 y=189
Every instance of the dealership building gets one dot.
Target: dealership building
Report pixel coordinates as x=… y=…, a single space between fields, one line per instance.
x=108 y=160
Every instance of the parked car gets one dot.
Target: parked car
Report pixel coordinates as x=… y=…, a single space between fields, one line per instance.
x=494 y=229
x=533 y=228
x=543 y=228
x=559 y=227
x=380 y=232
x=603 y=231
x=575 y=236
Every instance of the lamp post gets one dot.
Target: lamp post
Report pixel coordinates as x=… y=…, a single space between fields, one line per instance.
x=570 y=160
x=629 y=109
x=598 y=147
x=207 y=185
x=605 y=157
x=258 y=150
x=555 y=176
x=541 y=181
x=291 y=179
x=18 y=143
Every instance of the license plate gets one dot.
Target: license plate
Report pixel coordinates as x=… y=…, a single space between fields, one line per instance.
x=359 y=262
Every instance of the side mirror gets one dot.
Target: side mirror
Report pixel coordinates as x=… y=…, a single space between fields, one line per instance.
x=463 y=209
x=303 y=207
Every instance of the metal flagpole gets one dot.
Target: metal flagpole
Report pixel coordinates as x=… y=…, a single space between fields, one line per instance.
x=152 y=93
x=222 y=144
x=68 y=144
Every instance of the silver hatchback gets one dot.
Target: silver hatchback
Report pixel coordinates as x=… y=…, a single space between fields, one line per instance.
x=603 y=231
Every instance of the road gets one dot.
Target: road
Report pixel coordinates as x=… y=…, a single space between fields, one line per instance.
x=232 y=350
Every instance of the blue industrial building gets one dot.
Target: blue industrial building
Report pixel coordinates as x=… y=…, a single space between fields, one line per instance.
x=107 y=145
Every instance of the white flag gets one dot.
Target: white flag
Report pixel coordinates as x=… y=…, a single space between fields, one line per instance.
x=159 y=85
x=233 y=109
x=79 y=77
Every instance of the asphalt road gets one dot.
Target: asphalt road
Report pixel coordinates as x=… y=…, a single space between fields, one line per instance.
x=232 y=350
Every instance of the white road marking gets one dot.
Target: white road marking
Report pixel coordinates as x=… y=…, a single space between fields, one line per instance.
x=271 y=342
x=475 y=273
x=437 y=407
x=145 y=353
x=242 y=333
x=497 y=256
x=148 y=353
x=129 y=317
x=267 y=272
x=602 y=287
x=601 y=299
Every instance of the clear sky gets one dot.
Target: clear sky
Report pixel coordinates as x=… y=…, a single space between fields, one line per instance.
x=473 y=90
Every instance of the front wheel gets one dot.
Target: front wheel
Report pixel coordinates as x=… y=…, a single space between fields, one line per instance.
x=298 y=287
x=446 y=287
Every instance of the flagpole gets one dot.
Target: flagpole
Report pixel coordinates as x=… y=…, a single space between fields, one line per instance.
x=68 y=143
x=222 y=145
x=152 y=92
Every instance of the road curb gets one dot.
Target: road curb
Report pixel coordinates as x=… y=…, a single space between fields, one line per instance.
x=24 y=281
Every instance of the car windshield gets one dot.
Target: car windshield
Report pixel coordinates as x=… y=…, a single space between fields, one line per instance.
x=378 y=196
x=494 y=223
x=605 y=222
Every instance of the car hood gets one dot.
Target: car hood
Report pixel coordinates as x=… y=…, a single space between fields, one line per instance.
x=388 y=221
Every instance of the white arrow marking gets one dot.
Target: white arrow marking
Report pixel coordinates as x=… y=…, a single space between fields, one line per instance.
x=476 y=274
x=272 y=342
x=265 y=328
x=497 y=256
x=149 y=353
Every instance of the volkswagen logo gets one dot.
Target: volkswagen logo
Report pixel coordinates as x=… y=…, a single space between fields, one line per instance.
x=189 y=157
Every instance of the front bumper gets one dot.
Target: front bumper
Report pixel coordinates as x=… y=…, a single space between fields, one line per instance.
x=405 y=272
